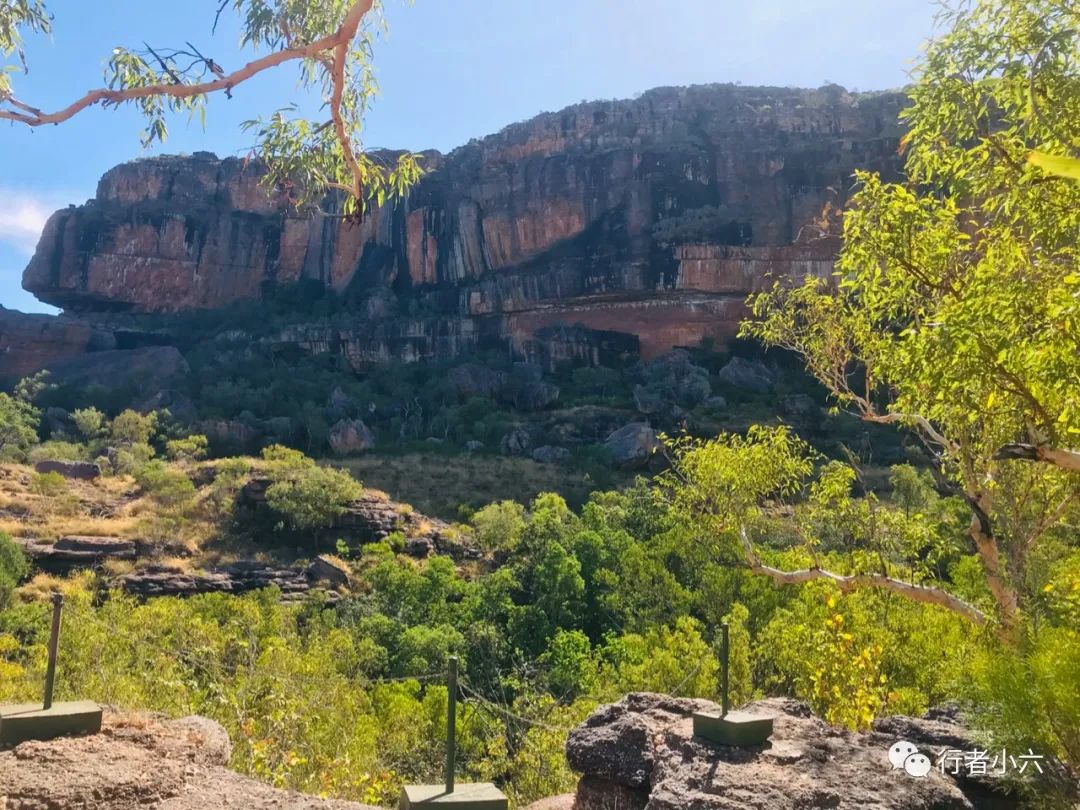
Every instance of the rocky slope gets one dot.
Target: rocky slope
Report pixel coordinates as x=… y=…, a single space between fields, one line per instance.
x=140 y=761
x=606 y=228
x=640 y=753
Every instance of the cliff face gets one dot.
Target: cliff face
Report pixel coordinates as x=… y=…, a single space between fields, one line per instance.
x=650 y=218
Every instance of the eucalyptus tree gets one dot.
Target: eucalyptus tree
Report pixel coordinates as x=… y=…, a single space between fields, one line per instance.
x=954 y=312
x=328 y=42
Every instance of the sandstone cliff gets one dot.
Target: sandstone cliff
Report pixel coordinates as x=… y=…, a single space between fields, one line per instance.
x=650 y=218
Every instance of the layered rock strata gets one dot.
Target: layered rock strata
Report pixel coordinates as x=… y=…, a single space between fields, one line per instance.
x=605 y=228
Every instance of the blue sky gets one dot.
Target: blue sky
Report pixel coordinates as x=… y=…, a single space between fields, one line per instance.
x=449 y=71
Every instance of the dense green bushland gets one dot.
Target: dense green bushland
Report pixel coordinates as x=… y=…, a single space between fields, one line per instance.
x=585 y=606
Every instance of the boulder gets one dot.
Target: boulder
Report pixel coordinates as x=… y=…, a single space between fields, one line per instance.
x=585 y=424
x=328 y=570
x=79 y=470
x=676 y=379
x=476 y=380
x=548 y=454
x=749 y=375
x=516 y=443
x=351 y=436
x=473 y=446
x=535 y=395
x=641 y=752
x=141 y=760
x=231 y=434
x=238 y=577
x=76 y=551
x=632 y=446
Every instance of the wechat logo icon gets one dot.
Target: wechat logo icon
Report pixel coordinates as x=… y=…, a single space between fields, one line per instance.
x=905 y=756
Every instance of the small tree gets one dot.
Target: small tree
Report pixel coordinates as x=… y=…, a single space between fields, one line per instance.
x=18 y=427
x=90 y=423
x=305 y=495
x=955 y=311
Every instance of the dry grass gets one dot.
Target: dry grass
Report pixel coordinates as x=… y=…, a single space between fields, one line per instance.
x=43 y=586
x=105 y=507
x=117 y=568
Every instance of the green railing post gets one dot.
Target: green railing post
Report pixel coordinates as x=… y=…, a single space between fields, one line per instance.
x=724 y=650
x=54 y=642
x=451 y=722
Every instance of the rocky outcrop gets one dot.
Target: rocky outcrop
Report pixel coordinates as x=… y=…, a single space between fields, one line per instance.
x=748 y=375
x=76 y=551
x=79 y=470
x=236 y=578
x=140 y=761
x=350 y=436
x=649 y=218
x=641 y=753
x=373 y=518
x=632 y=446
x=29 y=343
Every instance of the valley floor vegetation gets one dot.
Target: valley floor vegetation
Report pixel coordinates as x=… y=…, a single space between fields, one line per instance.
x=564 y=610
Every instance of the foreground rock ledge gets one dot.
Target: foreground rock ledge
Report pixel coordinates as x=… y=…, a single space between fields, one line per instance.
x=140 y=761
x=641 y=753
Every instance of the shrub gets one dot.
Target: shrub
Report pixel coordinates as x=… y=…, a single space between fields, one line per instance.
x=90 y=423
x=13 y=568
x=133 y=428
x=47 y=484
x=18 y=427
x=169 y=487
x=56 y=450
x=191 y=448
x=499 y=525
x=310 y=497
x=572 y=668
x=130 y=460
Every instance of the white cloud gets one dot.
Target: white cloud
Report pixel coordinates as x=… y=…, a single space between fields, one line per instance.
x=23 y=215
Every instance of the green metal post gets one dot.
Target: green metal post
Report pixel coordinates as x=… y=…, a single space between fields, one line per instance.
x=54 y=641
x=724 y=650
x=451 y=722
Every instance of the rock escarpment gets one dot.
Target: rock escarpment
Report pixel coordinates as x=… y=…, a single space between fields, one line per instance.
x=140 y=761
x=650 y=219
x=641 y=753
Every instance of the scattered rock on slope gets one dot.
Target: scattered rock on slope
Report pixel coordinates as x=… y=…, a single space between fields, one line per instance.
x=641 y=753
x=632 y=446
x=750 y=375
x=140 y=761
x=351 y=436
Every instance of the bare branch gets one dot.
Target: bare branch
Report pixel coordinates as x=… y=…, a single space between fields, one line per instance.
x=1068 y=460
x=851 y=582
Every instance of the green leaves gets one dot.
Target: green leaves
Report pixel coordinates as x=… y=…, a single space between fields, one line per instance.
x=1056 y=164
x=332 y=44
x=954 y=309
x=16 y=16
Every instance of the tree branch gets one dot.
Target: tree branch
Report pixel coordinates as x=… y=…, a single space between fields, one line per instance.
x=851 y=582
x=921 y=422
x=1068 y=460
x=338 y=42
